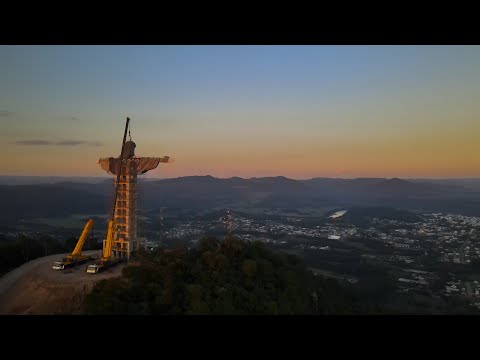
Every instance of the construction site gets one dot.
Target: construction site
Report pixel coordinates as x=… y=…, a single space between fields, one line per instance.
x=57 y=284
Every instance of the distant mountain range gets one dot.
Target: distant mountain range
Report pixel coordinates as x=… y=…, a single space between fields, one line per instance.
x=33 y=180
x=65 y=196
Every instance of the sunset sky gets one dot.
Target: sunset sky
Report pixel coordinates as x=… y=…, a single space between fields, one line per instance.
x=296 y=111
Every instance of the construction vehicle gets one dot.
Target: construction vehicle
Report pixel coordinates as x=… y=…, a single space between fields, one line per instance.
x=107 y=261
x=76 y=257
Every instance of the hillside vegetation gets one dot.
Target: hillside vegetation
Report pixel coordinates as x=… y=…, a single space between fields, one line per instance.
x=217 y=277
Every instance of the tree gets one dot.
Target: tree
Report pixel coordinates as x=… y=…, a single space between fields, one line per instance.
x=217 y=277
x=25 y=246
x=249 y=268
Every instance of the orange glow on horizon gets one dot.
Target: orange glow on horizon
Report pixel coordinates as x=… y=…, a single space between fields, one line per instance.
x=447 y=155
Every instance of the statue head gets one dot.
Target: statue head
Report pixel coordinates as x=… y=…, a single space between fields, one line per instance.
x=129 y=149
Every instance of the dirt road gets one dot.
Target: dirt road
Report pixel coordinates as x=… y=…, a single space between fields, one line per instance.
x=35 y=288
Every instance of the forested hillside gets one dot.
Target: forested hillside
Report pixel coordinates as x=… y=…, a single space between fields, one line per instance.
x=231 y=277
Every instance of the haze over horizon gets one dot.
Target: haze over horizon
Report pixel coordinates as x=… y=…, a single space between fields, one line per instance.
x=247 y=111
x=152 y=178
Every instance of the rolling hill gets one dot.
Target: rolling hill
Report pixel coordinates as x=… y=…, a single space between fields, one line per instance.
x=206 y=192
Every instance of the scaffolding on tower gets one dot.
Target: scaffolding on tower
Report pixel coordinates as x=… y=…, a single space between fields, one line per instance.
x=126 y=168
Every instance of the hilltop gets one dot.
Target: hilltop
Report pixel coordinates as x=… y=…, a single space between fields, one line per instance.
x=231 y=277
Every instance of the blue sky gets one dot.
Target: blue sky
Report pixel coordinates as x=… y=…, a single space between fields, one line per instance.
x=298 y=111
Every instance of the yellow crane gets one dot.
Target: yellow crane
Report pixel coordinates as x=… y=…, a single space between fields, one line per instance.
x=106 y=261
x=76 y=257
x=107 y=252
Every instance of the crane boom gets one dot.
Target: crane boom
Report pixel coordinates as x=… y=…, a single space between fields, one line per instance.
x=106 y=260
x=119 y=170
x=107 y=251
x=78 y=248
x=112 y=224
x=76 y=257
